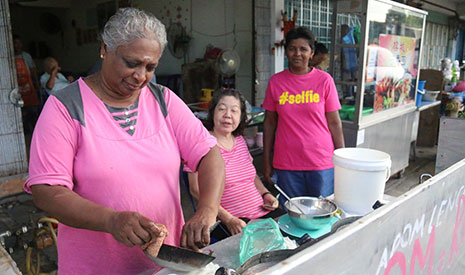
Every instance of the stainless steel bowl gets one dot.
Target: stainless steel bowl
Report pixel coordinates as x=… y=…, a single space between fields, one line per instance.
x=317 y=212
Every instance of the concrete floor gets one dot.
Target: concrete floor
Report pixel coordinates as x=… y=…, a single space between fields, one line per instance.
x=18 y=211
x=424 y=163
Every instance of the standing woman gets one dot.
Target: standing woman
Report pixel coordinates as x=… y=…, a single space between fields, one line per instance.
x=106 y=154
x=303 y=121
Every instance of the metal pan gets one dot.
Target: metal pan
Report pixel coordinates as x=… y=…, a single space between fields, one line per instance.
x=180 y=259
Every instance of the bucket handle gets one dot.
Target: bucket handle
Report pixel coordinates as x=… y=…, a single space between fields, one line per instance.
x=388 y=173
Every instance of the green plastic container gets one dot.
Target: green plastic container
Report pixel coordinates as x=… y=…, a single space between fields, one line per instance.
x=347 y=112
x=365 y=111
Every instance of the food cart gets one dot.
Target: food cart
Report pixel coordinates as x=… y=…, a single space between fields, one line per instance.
x=375 y=64
x=419 y=232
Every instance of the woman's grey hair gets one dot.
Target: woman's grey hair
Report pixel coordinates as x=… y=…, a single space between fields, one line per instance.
x=128 y=24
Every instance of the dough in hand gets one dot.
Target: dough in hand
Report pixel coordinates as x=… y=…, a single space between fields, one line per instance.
x=158 y=233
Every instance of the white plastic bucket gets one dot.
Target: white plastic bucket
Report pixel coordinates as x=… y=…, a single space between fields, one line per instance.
x=360 y=176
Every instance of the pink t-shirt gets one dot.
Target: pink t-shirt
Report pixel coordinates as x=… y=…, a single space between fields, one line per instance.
x=303 y=140
x=82 y=147
x=240 y=197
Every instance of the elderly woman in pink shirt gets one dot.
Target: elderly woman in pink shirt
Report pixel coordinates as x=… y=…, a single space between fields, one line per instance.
x=245 y=197
x=105 y=158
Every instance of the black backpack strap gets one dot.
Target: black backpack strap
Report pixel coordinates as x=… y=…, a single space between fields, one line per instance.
x=158 y=92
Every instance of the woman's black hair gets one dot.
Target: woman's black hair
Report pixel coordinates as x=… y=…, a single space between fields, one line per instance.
x=300 y=32
x=320 y=48
x=219 y=94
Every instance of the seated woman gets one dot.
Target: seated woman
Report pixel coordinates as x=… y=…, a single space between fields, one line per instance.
x=52 y=80
x=244 y=194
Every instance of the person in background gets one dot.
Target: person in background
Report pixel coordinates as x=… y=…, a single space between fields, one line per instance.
x=244 y=197
x=302 y=119
x=320 y=58
x=349 y=62
x=52 y=80
x=27 y=84
x=106 y=155
x=27 y=58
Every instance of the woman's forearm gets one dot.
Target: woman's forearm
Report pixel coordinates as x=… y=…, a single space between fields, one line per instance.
x=224 y=215
x=269 y=130
x=335 y=128
x=211 y=177
x=259 y=185
x=193 y=184
x=70 y=208
x=51 y=81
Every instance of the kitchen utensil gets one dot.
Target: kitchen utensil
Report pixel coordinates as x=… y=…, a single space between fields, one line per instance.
x=290 y=228
x=288 y=198
x=262 y=261
x=318 y=212
x=180 y=259
x=340 y=224
x=343 y=223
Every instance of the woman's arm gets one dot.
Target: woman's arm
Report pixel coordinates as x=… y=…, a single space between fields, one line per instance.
x=211 y=175
x=193 y=179
x=335 y=127
x=269 y=201
x=51 y=81
x=269 y=130
x=233 y=224
x=129 y=228
x=259 y=185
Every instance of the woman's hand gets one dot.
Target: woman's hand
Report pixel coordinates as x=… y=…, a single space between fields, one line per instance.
x=158 y=233
x=196 y=231
x=270 y=202
x=55 y=70
x=267 y=172
x=234 y=225
x=131 y=228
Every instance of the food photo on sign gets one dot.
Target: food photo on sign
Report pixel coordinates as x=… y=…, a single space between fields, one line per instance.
x=393 y=71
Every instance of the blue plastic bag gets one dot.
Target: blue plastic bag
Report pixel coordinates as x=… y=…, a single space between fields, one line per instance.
x=258 y=237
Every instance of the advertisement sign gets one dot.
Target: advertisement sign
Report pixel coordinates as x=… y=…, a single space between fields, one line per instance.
x=394 y=71
x=402 y=48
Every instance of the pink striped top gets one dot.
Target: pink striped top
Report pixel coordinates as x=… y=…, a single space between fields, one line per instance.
x=240 y=197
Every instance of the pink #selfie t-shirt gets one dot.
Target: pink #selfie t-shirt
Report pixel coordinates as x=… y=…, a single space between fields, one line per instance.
x=303 y=140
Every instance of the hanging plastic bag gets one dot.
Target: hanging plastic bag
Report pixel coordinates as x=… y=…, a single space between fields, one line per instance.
x=258 y=237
